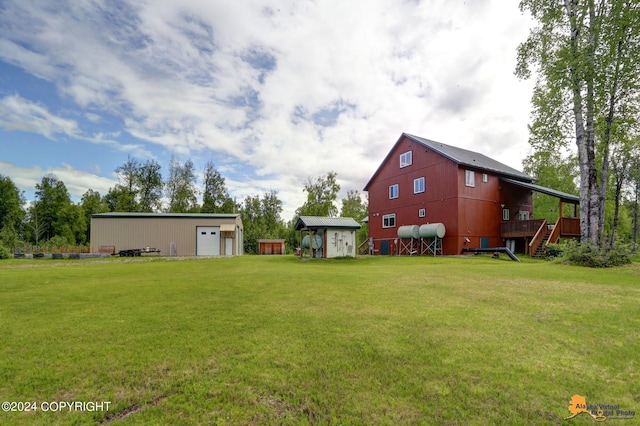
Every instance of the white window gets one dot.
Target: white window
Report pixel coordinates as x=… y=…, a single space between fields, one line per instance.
x=393 y=191
x=505 y=214
x=418 y=185
x=469 y=178
x=406 y=159
x=522 y=215
x=389 y=221
x=422 y=212
x=485 y=178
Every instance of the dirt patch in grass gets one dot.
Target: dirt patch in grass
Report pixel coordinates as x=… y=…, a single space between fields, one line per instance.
x=131 y=411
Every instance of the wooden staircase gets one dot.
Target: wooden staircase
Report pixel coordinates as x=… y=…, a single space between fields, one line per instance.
x=542 y=248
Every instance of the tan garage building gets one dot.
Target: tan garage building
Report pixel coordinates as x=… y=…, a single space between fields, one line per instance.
x=174 y=234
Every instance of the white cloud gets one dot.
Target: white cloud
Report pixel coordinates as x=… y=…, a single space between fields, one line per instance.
x=76 y=181
x=17 y=113
x=20 y=114
x=289 y=91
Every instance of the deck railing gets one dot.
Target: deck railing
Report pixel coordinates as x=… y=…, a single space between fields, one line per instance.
x=569 y=227
x=521 y=228
x=554 y=236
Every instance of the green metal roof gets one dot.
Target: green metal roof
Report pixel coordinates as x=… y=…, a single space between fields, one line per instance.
x=321 y=222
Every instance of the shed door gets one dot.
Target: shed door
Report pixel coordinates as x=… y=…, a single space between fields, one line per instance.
x=484 y=242
x=207 y=240
x=228 y=246
x=384 y=247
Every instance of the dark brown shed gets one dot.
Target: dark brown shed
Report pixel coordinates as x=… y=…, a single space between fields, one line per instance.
x=271 y=246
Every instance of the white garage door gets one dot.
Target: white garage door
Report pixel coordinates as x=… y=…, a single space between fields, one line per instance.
x=208 y=241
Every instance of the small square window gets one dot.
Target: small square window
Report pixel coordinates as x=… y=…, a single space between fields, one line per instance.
x=406 y=159
x=422 y=212
x=389 y=221
x=469 y=178
x=418 y=185
x=393 y=191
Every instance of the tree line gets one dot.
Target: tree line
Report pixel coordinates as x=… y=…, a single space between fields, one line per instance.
x=54 y=219
x=585 y=56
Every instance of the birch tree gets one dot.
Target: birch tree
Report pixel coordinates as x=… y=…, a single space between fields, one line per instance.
x=585 y=54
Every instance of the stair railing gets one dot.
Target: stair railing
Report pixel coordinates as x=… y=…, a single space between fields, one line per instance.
x=538 y=238
x=554 y=237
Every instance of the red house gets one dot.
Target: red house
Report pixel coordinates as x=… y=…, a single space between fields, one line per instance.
x=481 y=202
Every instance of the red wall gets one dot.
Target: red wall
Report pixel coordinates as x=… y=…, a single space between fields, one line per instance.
x=466 y=212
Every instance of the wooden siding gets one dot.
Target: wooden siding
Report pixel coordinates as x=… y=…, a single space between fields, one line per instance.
x=468 y=213
x=158 y=232
x=438 y=199
x=271 y=247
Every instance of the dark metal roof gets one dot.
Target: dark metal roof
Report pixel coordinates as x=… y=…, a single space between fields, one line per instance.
x=460 y=156
x=471 y=158
x=574 y=199
x=166 y=215
x=321 y=222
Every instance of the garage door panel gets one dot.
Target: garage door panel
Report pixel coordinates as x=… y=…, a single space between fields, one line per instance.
x=208 y=240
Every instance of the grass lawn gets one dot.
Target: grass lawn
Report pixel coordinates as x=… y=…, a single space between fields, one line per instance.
x=277 y=340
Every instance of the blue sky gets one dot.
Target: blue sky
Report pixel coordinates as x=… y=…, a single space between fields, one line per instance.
x=271 y=93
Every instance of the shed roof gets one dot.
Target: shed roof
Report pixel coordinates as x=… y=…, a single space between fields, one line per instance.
x=460 y=156
x=321 y=222
x=568 y=198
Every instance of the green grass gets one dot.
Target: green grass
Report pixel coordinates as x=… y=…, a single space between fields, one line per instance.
x=277 y=340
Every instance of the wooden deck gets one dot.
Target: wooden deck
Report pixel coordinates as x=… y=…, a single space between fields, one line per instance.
x=538 y=233
x=521 y=228
x=569 y=228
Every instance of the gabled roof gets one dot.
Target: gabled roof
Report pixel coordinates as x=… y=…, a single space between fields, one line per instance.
x=462 y=157
x=321 y=222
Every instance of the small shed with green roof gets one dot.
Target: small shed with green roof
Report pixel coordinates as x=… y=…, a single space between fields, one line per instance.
x=328 y=237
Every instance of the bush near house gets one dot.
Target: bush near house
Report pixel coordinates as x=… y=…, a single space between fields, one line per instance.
x=575 y=253
x=4 y=253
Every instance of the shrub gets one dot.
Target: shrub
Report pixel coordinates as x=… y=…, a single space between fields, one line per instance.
x=595 y=257
x=57 y=241
x=5 y=253
x=553 y=251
